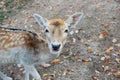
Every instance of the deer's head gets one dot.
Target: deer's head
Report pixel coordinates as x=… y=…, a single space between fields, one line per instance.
x=57 y=30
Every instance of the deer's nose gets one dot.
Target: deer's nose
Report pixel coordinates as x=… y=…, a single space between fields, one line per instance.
x=55 y=47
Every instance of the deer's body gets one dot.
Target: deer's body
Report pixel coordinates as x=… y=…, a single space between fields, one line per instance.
x=20 y=46
x=27 y=48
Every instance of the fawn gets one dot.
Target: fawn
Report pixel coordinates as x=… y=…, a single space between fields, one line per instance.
x=26 y=47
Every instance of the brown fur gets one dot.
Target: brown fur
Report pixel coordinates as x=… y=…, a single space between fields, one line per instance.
x=16 y=37
x=57 y=22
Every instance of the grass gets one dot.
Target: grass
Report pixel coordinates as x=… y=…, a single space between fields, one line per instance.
x=11 y=7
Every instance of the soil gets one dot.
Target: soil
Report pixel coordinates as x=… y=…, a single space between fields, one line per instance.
x=92 y=52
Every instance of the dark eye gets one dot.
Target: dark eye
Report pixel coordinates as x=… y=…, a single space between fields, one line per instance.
x=46 y=30
x=66 y=31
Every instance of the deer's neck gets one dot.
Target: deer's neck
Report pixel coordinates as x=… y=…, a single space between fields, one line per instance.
x=45 y=55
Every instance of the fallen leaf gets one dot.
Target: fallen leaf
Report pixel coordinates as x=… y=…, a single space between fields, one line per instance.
x=96 y=71
x=68 y=70
x=90 y=50
x=45 y=75
x=117 y=74
x=65 y=57
x=103 y=35
x=86 y=60
x=55 y=61
x=114 y=40
x=117 y=60
x=11 y=72
x=114 y=69
x=107 y=57
x=109 y=49
x=76 y=31
x=102 y=58
x=98 y=53
x=109 y=61
x=106 y=25
x=74 y=40
x=82 y=41
x=107 y=68
x=52 y=75
x=78 y=58
x=118 y=44
x=94 y=77
x=45 y=65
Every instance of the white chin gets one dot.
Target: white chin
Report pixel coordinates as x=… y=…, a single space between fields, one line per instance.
x=55 y=52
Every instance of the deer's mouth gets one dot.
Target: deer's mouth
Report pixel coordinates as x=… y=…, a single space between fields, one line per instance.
x=55 y=50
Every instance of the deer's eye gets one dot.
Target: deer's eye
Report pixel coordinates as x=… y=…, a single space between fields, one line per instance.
x=66 y=31
x=46 y=31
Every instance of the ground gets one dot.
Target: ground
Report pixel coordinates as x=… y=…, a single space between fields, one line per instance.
x=92 y=52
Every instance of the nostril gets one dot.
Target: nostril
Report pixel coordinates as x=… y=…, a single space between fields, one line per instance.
x=56 y=47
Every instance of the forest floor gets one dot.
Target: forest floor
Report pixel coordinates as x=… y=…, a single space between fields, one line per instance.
x=93 y=52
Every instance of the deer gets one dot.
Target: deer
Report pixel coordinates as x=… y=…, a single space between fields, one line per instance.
x=26 y=47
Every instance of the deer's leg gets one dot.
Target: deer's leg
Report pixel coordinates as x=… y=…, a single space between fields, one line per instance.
x=32 y=71
x=26 y=74
x=4 y=77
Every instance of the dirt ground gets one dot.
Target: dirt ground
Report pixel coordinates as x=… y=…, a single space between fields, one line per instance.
x=92 y=53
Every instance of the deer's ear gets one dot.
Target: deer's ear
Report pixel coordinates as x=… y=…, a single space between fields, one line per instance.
x=74 y=19
x=40 y=20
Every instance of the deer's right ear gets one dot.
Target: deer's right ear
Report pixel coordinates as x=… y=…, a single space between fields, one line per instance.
x=40 y=20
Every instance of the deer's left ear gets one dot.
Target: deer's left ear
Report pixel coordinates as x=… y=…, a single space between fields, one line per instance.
x=74 y=19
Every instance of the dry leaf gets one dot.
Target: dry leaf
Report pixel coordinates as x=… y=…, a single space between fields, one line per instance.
x=114 y=69
x=45 y=65
x=96 y=71
x=54 y=73
x=107 y=68
x=55 y=61
x=45 y=75
x=74 y=40
x=65 y=57
x=90 y=49
x=102 y=58
x=117 y=60
x=103 y=35
x=87 y=60
x=94 y=77
x=78 y=58
x=68 y=70
x=82 y=41
x=107 y=57
x=98 y=53
x=118 y=44
x=117 y=74
x=106 y=25
x=109 y=49
x=114 y=40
